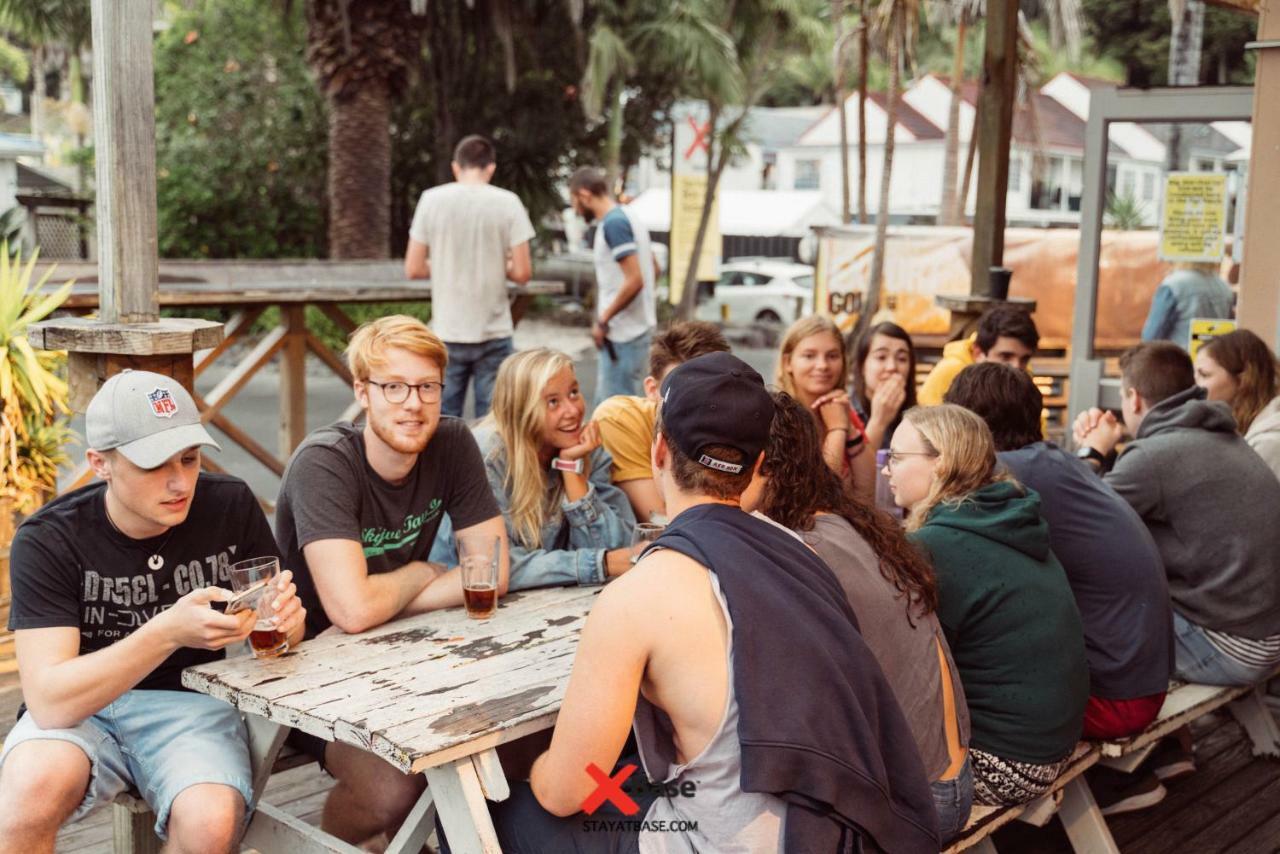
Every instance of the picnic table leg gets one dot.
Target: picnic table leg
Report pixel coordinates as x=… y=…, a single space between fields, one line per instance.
x=265 y=741
x=417 y=826
x=1257 y=720
x=1085 y=825
x=459 y=798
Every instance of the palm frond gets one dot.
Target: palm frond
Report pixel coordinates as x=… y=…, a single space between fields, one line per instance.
x=607 y=56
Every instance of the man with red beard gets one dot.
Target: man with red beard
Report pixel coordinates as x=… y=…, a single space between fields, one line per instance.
x=358 y=509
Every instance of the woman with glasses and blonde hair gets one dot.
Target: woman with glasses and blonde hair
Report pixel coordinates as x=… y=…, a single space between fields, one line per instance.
x=1240 y=369
x=1003 y=600
x=813 y=367
x=566 y=522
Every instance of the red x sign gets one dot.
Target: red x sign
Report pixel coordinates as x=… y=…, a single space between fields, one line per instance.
x=700 y=133
x=610 y=789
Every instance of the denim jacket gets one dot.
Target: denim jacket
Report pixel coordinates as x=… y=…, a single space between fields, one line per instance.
x=1182 y=296
x=600 y=520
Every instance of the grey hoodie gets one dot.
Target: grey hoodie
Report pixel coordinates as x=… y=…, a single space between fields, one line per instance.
x=1213 y=508
x=1264 y=434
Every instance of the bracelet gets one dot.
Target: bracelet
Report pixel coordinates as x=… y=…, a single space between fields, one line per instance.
x=831 y=430
x=574 y=466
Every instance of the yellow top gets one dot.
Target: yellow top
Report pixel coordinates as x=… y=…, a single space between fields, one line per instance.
x=956 y=356
x=626 y=429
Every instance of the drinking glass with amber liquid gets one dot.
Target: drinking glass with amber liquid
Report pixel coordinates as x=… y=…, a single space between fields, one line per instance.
x=254 y=582
x=478 y=559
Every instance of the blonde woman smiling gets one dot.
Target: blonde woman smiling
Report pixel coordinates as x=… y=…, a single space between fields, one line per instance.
x=566 y=522
x=813 y=367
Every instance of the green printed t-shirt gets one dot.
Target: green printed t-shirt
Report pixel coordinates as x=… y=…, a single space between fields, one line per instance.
x=329 y=492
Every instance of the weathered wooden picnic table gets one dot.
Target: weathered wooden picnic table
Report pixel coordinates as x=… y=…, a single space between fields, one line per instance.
x=433 y=694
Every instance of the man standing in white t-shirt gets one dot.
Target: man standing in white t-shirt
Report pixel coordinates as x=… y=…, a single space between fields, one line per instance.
x=626 y=310
x=470 y=238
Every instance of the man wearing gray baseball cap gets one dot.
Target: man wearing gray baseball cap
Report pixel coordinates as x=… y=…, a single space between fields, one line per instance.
x=113 y=587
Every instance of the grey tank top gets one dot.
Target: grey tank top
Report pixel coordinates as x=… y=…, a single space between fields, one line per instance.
x=728 y=820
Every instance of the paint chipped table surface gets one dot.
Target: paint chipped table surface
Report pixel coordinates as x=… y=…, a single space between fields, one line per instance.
x=433 y=694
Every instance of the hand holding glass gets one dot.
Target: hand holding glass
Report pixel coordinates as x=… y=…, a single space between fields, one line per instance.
x=644 y=533
x=255 y=580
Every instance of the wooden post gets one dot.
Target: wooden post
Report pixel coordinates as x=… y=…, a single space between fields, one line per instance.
x=995 y=128
x=293 y=379
x=128 y=332
x=1259 y=308
x=125 y=144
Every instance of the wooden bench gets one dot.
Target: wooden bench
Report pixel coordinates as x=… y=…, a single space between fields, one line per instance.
x=133 y=821
x=1070 y=797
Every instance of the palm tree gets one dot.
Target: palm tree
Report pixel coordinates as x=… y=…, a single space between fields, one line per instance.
x=729 y=66
x=361 y=53
x=863 y=64
x=898 y=23
x=627 y=36
x=962 y=14
x=1187 y=19
x=42 y=23
x=837 y=81
x=609 y=61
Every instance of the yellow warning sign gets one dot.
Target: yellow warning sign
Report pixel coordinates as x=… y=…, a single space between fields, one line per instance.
x=1203 y=330
x=1193 y=224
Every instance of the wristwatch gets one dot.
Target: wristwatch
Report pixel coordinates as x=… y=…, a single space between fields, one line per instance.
x=1089 y=454
x=574 y=466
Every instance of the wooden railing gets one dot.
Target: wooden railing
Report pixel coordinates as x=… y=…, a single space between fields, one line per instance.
x=247 y=289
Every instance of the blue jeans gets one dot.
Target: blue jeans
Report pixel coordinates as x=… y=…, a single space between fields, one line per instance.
x=624 y=372
x=159 y=742
x=473 y=362
x=953 y=799
x=1198 y=660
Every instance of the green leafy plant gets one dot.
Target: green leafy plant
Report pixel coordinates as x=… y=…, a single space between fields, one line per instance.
x=1124 y=212
x=240 y=135
x=33 y=390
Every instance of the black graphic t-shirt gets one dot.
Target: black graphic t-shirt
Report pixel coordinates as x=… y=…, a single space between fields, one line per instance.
x=70 y=567
x=330 y=492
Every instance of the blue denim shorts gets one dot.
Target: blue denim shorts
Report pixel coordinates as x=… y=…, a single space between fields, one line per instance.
x=159 y=742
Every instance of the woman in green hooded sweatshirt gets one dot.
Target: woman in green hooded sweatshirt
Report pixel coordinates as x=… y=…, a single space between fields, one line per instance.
x=1003 y=600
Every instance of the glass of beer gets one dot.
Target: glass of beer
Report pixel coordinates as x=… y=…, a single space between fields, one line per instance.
x=644 y=533
x=478 y=559
x=255 y=582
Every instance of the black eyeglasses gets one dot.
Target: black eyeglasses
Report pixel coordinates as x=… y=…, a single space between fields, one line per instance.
x=397 y=392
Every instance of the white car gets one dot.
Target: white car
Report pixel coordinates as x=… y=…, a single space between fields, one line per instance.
x=759 y=290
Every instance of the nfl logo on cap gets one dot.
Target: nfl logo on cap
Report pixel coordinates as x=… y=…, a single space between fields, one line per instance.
x=148 y=417
x=162 y=403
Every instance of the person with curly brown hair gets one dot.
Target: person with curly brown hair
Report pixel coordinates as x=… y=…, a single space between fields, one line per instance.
x=891 y=589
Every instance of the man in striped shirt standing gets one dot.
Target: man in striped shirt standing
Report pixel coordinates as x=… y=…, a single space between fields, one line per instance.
x=626 y=272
